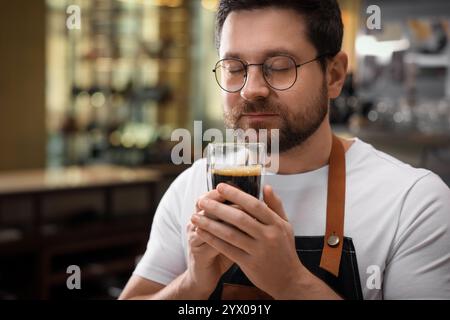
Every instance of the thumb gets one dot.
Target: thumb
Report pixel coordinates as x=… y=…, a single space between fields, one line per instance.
x=274 y=202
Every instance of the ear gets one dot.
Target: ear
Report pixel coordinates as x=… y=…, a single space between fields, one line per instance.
x=336 y=74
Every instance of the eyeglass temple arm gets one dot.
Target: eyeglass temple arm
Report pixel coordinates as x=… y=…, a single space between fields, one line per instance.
x=329 y=54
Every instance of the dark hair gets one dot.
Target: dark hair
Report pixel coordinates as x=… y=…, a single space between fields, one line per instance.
x=323 y=20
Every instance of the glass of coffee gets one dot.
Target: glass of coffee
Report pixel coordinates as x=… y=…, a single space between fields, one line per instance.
x=238 y=164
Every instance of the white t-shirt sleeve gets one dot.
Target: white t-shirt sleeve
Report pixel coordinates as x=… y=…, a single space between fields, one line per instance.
x=418 y=266
x=164 y=259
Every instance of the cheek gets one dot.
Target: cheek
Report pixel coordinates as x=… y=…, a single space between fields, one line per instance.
x=311 y=76
x=230 y=100
x=291 y=99
x=306 y=88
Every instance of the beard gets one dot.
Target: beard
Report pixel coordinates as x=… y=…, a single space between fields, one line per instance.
x=295 y=127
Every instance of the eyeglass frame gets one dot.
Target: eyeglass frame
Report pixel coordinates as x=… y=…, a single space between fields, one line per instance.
x=246 y=65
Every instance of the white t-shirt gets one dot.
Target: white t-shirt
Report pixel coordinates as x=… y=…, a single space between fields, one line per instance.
x=398 y=217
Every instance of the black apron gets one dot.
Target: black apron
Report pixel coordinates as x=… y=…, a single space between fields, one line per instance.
x=331 y=258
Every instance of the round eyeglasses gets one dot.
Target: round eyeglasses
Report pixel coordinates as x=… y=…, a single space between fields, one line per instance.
x=279 y=72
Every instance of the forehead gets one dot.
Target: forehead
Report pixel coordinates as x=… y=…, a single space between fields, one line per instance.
x=252 y=34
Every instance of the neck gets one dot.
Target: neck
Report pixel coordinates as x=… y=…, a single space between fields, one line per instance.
x=312 y=154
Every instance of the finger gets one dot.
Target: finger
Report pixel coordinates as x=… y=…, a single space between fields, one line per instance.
x=232 y=215
x=256 y=208
x=213 y=195
x=193 y=238
x=224 y=232
x=190 y=228
x=196 y=241
x=274 y=202
x=229 y=251
x=205 y=250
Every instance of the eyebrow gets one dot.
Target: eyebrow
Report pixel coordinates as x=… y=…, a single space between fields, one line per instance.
x=266 y=53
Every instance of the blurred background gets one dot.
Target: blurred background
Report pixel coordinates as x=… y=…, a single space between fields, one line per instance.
x=86 y=117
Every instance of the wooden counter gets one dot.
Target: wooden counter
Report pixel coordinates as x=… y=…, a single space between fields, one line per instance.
x=73 y=178
x=102 y=242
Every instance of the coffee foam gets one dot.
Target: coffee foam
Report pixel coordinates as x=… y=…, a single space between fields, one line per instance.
x=243 y=171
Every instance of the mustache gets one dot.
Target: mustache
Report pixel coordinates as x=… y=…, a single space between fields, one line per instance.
x=256 y=107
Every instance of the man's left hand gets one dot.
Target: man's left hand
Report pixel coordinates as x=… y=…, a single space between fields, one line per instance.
x=256 y=235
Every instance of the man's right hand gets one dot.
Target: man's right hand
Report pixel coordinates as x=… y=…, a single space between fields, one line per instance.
x=206 y=265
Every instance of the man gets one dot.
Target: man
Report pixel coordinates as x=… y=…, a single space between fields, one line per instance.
x=280 y=64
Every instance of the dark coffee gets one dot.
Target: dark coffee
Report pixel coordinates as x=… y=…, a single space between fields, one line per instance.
x=248 y=179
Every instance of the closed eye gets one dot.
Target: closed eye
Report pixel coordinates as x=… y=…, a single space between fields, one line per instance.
x=279 y=69
x=234 y=70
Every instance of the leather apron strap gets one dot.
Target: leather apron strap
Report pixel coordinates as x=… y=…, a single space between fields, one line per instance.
x=334 y=234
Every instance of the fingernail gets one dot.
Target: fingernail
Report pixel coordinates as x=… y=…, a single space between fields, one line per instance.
x=198 y=217
x=222 y=187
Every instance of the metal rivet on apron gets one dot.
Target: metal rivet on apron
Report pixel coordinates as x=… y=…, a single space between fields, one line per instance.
x=333 y=241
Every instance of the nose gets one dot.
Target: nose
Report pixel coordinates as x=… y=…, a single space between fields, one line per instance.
x=255 y=87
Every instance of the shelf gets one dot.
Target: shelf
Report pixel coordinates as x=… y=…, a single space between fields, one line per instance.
x=428 y=60
x=141 y=45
